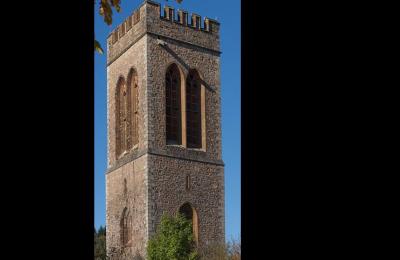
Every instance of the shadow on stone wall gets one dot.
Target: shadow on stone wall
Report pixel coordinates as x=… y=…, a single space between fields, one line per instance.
x=186 y=66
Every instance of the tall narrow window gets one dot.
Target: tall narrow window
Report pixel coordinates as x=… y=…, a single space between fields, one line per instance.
x=173 y=105
x=120 y=115
x=133 y=109
x=125 y=228
x=193 y=110
x=187 y=186
x=191 y=214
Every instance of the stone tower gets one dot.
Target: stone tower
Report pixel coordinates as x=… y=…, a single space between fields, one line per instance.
x=164 y=128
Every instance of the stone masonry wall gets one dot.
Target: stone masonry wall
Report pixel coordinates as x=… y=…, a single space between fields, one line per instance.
x=126 y=36
x=167 y=192
x=207 y=64
x=203 y=56
x=194 y=34
x=134 y=57
x=135 y=200
x=155 y=172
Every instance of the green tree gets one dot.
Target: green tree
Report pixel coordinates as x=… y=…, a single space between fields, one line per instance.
x=101 y=231
x=100 y=244
x=231 y=250
x=234 y=249
x=173 y=240
x=106 y=8
x=214 y=252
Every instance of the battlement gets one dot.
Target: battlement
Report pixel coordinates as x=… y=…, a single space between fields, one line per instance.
x=141 y=20
x=119 y=32
x=209 y=25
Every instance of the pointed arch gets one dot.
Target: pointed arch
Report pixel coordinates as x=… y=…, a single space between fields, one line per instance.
x=173 y=105
x=125 y=227
x=133 y=109
x=193 y=110
x=190 y=213
x=120 y=116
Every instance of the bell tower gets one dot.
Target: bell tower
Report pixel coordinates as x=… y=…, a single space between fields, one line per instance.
x=164 y=128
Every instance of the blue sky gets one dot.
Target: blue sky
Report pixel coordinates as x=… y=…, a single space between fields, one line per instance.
x=228 y=14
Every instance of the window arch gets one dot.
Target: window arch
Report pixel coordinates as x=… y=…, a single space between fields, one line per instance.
x=126 y=113
x=190 y=214
x=193 y=110
x=133 y=107
x=125 y=227
x=173 y=105
x=120 y=115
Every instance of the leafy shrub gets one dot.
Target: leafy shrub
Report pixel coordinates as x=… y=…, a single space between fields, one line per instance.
x=229 y=251
x=173 y=240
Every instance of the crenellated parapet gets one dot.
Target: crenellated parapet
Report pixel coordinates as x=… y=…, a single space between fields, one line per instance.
x=209 y=25
x=126 y=33
x=178 y=25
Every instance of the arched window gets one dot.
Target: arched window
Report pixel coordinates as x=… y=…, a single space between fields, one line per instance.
x=126 y=227
x=120 y=115
x=191 y=214
x=173 y=105
x=133 y=108
x=193 y=110
x=126 y=113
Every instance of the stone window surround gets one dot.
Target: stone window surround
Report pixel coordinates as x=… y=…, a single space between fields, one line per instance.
x=173 y=127
x=131 y=74
x=194 y=218
x=183 y=79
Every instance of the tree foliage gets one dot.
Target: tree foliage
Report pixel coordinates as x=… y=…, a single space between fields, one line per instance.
x=100 y=244
x=234 y=249
x=106 y=8
x=173 y=240
x=229 y=251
